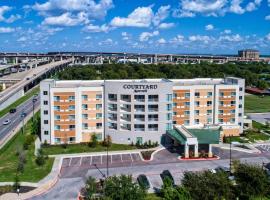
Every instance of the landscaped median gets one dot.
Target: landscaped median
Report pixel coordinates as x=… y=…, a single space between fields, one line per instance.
x=20 y=101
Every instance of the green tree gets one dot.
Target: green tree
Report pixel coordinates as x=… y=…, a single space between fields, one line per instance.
x=90 y=188
x=35 y=128
x=122 y=188
x=206 y=185
x=94 y=141
x=252 y=181
x=107 y=141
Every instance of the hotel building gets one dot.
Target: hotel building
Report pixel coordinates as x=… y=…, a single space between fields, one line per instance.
x=140 y=110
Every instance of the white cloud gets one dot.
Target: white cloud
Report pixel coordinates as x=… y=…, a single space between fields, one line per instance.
x=226 y=31
x=268 y=35
x=140 y=17
x=146 y=35
x=190 y=8
x=88 y=38
x=267 y=17
x=11 y=18
x=125 y=36
x=162 y=13
x=161 y=41
x=6 y=30
x=93 y=9
x=66 y=19
x=166 y=25
x=96 y=29
x=199 y=38
x=178 y=39
x=209 y=27
x=108 y=42
x=22 y=39
x=231 y=38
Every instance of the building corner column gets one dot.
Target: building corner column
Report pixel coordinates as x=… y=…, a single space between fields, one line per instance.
x=186 y=150
x=210 y=153
x=196 y=151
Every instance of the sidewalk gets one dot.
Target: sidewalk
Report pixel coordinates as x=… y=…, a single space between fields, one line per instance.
x=251 y=149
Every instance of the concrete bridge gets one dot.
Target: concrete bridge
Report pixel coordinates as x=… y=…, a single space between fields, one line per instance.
x=17 y=90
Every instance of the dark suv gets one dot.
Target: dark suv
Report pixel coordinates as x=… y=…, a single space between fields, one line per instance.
x=12 y=110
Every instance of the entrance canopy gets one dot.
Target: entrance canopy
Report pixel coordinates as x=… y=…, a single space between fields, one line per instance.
x=187 y=136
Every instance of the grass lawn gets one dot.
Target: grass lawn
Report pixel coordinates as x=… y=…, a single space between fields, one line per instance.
x=152 y=196
x=82 y=148
x=257 y=104
x=19 y=101
x=259 y=126
x=9 y=161
x=234 y=139
x=252 y=136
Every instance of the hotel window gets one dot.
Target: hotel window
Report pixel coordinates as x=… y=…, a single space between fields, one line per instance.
x=209 y=112
x=84 y=97
x=187 y=112
x=209 y=120
x=71 y=98
x=153 y=127
x=197 y=103
x=169 y=116
x=57 y=140
x=168 y=126
x=140 y=98
x=98 y=115
x=45 y=102
x=209 y=94
x=169 y=107
x=57 y=117
x=232 y=111
x=46 y=122
x=240 y=106
x=233 y=94
x=240 y=97
x=169 y=97
x=240 y=89
x=220 y=112
x=84 y=125
x=240 y=124
x=98 y=106
x=239 y=114
x=56 y=98
x=84 y=106
x=46 y=132
x=45 y=92
x=232 y=120
x=85 y=116
x=197 y=121
x=186 y=122
x=98 y=96
x=174 y=122
x=209 y=103
x=71 y=127
x=187 y=95
x=187 y=104
x=57 y=127
x=197 y=94
x=112 y=97
x=232 y=103
x=45 y=112
x=71 y=107
x=221 y=94
x=174 y=113
x=174 y=95
x=56 y=108
x=221 y=103
x=174 y=105
x=71 y=117
x=154 y=108
x=197 y=112
x=139 y=127
x=98 y=125
x=220 y=120
x=152 y=98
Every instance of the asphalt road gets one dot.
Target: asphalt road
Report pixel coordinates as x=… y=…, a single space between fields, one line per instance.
x=16 y=119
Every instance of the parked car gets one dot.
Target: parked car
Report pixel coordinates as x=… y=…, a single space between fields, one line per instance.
x=12 y=110
x=6 y=122
x=167 y=173
x=222 y=169
x=143 y=181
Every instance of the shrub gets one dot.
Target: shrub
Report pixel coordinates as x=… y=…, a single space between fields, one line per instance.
x=94 y=142
x=40 y=159
x=29 y=139
x=146 y=154
x=107 y=141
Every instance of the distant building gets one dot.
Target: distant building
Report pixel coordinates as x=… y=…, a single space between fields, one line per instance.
x=249 y=54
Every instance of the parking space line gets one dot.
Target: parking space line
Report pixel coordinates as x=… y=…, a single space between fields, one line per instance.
x=81 y=161
x=91 y=160
x=131 y=157
x=121 y=157
x=69 y=161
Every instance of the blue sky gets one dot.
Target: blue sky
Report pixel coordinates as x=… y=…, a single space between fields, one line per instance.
x=164 y=26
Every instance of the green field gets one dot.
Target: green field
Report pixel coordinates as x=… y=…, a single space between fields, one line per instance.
x=257 y=104
x=19 y=101
x=9 y=160
x=83 y=148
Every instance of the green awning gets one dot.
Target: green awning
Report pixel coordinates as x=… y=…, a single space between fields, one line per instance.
x=206 y=136
x=177 y=136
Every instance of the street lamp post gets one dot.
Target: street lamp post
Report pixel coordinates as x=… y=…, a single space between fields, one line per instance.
x=230 y=155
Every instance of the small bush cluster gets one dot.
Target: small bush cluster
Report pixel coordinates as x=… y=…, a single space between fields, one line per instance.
x=29 y=139
x=146 y=154
x=145 y=145
x=41 y=158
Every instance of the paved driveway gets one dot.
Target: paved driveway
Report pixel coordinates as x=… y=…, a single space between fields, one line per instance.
x=260 y=117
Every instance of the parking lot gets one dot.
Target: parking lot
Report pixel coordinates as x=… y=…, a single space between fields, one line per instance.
x=263 y=147
x=70 y=165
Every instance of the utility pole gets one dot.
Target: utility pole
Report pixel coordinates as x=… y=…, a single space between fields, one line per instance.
x=230 y=155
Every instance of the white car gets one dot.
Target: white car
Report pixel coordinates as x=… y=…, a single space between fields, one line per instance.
x=6 y=122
